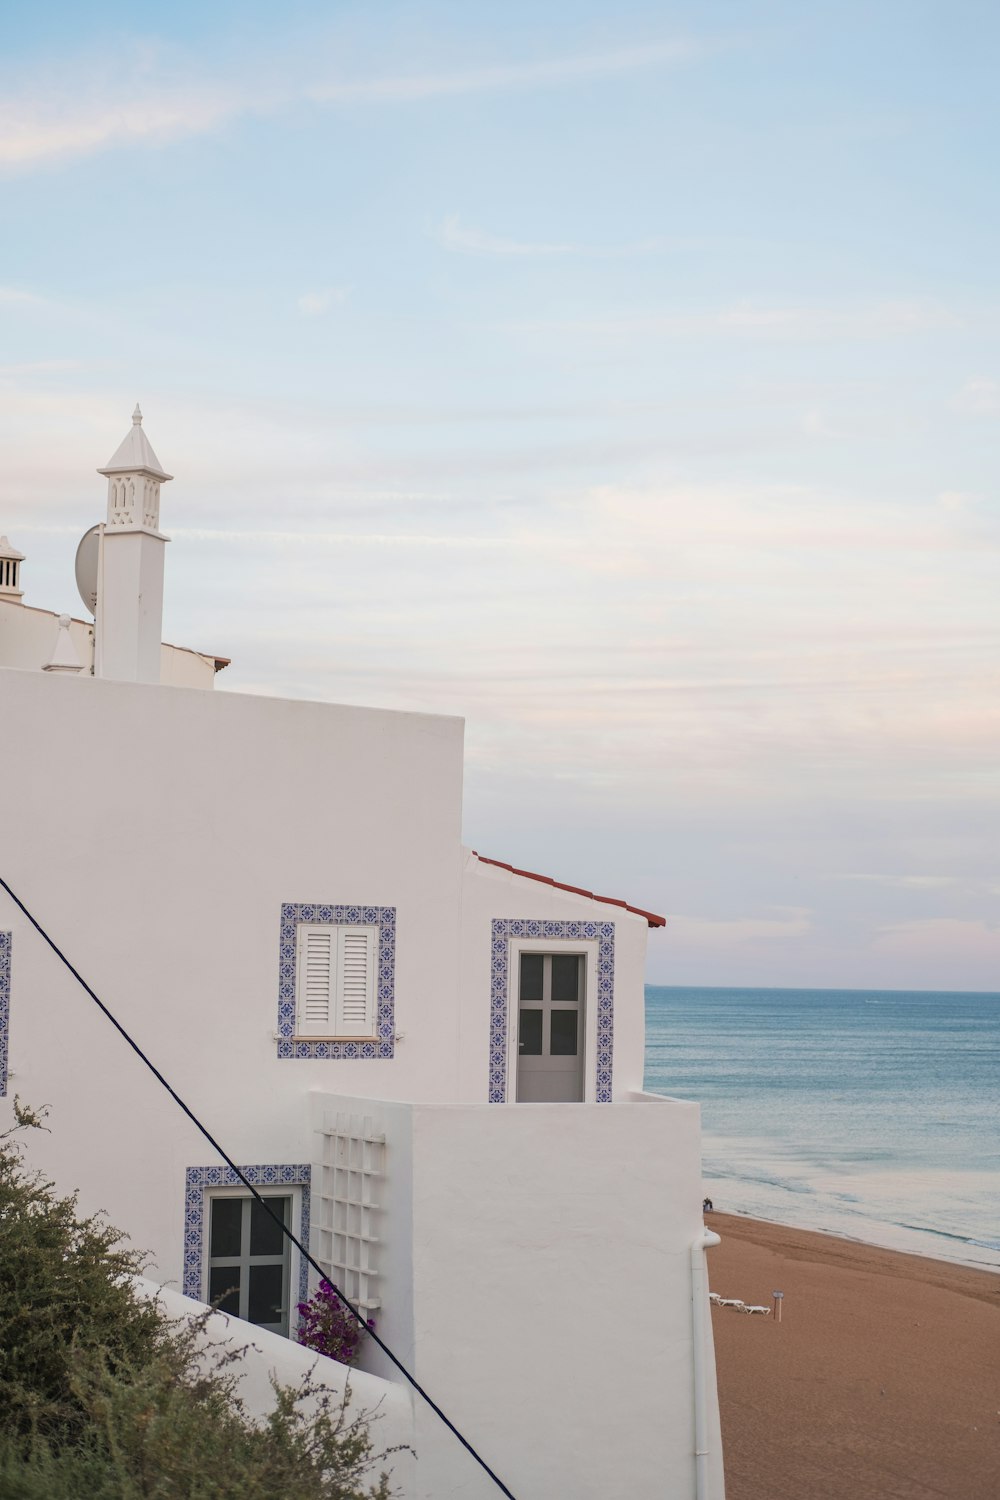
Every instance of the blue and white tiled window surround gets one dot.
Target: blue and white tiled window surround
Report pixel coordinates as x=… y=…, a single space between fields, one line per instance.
x=4 y=1007
x=505 y=928
x=382 y=917
x=200 y=1179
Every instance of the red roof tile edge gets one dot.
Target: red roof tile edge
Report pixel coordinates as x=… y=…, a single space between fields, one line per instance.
x=560 y=885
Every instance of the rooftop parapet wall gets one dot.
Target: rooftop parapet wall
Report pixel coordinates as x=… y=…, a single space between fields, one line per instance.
x=28 y=635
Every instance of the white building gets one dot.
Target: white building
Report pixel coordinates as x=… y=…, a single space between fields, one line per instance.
x=432 y=1060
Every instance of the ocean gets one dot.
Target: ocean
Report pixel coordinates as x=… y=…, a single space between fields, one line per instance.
x=868 y=1113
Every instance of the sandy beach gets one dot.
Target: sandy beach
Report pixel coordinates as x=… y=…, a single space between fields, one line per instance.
x=882 y=1379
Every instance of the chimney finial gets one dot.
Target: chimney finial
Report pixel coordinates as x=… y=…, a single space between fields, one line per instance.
x=137 y=416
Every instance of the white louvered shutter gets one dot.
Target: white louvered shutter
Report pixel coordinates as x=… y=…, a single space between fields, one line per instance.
x=356 y=982
x=317 y=970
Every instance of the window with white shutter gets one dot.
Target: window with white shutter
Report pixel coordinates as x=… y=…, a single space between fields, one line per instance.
x=336 y=981
x=317 y=989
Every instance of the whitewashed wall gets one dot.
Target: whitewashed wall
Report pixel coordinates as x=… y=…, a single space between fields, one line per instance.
x=156 y=835
x=548 y=1308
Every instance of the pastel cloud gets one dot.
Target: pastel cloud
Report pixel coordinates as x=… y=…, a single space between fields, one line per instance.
x=980 y=397
x=962 y=941
x=14 y=296
x=543 y=73
x=150 y=97
x=452 y=234
x=44 y=125
x=772 y=322
x=316 y=304
x=712 y=933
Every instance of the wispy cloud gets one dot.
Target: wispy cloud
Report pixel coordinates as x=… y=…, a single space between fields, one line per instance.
x=905 y=882
x=980 y=396
x=169 y=97
x=315 y=304
x=15 y=296
x=406 y=88
x=45 y=125
x=465 y=239
x=815 y=424
x=747 y=320
x=308 y=539
x=958 y=501
x=942 y=937
x=712 y=933
x=39 y=367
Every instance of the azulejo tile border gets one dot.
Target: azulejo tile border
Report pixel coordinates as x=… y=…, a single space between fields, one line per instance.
x=505 y=928
x=382 y=917
x=201 y=1178
x=5 y=939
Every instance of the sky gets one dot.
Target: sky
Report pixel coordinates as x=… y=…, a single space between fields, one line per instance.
x=623 y=378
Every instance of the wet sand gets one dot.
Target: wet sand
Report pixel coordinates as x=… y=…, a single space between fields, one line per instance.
x=881 y=1382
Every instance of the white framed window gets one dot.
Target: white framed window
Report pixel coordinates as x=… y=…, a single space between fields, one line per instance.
x=248 y=1260
x=346 y=1007
x=204 y=1185
x=336 y=967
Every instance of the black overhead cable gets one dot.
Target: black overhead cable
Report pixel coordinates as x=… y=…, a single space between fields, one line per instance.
x=355 y=1312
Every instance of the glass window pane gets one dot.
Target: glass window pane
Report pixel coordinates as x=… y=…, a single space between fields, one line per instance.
x=265 y=1302
x=566 y=976
x=564 y=1033
x=225 y=1279
x=529 y=1037
x=266 y=1237
x=227 y=1217
x=531 y=976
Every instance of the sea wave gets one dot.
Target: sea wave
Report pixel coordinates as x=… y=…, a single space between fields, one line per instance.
x=861 y=1113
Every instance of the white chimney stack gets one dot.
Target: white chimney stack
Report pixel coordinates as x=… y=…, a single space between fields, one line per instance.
x=129 y=622
x=10 y=571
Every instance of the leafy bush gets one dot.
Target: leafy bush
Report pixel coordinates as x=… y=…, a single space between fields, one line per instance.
x=103 y=1398
x=329 y=1328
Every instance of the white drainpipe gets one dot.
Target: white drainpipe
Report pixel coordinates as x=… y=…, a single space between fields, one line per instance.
x=700 y=1331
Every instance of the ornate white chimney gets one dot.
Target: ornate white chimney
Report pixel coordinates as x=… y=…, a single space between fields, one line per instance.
x=10 y=572
x=129 y=621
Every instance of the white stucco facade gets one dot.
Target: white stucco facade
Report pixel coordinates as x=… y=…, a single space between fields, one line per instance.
x=530 y=1262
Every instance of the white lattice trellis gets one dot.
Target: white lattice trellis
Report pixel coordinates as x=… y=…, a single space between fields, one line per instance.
x=348 y=1195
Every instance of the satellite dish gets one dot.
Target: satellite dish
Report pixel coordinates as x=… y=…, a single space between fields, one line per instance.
x=86 y=567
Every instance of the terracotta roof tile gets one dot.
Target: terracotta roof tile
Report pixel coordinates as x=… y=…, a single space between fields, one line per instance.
x=560 y=885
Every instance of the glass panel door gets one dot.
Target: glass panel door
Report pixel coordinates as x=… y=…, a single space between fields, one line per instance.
x=550 y=1034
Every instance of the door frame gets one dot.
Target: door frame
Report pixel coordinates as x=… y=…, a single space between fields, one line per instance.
x=588 y=948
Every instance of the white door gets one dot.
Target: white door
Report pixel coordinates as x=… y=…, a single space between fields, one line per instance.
x=550 y=1029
